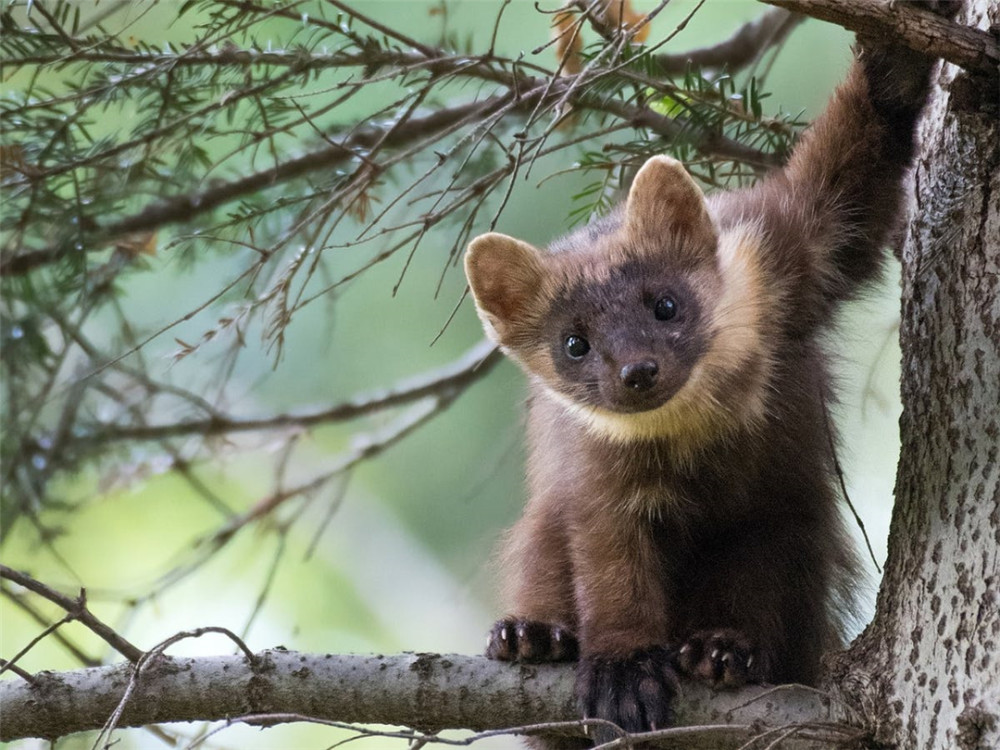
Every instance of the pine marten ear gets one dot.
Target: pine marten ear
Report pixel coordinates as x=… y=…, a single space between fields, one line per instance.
x=505 y=276
x=665 y=201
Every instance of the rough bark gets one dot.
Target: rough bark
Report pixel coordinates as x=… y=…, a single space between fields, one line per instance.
x=424 y=691
x=915 y=27
x=925 y=674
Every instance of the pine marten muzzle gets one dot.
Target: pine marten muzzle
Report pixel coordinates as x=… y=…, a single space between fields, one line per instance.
x=629 y=343
x=682 y=516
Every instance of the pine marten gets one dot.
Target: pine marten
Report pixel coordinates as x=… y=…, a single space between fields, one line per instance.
x=683 y=515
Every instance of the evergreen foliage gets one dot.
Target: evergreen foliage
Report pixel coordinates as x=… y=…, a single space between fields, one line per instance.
x=259 y=138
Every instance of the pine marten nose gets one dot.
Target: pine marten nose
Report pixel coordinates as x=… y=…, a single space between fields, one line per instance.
x=639 y=376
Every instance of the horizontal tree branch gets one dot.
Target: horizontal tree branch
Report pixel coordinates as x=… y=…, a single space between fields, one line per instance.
x=471 y=366
x=915 y=27
x=228 y=55
x=427 y=692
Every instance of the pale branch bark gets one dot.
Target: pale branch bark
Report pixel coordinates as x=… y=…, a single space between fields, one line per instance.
x=739 y=50
x=427 y=692
x=973 y=49
x=471 y=366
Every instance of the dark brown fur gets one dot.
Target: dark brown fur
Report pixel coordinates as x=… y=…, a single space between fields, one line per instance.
x=707 y=542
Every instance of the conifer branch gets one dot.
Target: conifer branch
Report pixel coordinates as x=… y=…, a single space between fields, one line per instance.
x=524 y=94
x=740 y=49
x=187 y=207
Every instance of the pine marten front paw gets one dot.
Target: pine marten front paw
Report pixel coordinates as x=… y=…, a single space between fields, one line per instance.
x=635 y=693
x=724 y=658
x=515 y=639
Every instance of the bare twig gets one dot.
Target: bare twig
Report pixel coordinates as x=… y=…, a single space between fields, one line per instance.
x=741 y=49
x=828 y=427
x=11 y=664
x=149 y=658
x=38 y=617
x=77 y=608
x=471 y=366
x=364 y=447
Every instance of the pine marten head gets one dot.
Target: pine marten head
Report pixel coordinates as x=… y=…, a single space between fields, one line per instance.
x=647 y=323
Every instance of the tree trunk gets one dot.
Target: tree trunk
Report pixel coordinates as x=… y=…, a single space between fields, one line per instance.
x=925 y=673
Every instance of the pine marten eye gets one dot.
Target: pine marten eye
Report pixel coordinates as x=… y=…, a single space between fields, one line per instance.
x=665 y=308
x=576 y=346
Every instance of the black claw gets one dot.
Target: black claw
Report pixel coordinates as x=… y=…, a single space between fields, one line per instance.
x=635 y=693
x=513 y=639
x=722 y=658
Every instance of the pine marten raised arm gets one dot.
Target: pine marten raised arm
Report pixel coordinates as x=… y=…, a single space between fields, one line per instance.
x=682 y=517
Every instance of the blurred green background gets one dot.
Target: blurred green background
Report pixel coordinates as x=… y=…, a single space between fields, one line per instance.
x=405 y=562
